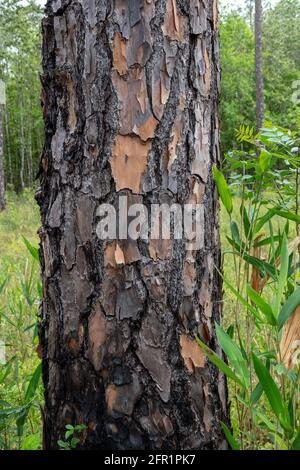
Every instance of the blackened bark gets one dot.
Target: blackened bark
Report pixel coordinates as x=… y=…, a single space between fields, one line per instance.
x=2 y=180
x=130 y=96
x=259 y=65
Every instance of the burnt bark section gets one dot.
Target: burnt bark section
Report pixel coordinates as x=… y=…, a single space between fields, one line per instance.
x=130 y=97
x=2 y=180
x=259 y=65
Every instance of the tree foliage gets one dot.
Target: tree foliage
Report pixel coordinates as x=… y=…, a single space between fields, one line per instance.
x=281 y=67
x=19 y=68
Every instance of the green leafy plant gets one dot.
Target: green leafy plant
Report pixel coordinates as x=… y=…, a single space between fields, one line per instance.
x=72 y=437
x=21 y=390
x=262 y=280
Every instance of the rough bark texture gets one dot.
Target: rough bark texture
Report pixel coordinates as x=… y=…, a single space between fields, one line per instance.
x=259 y=65
x=130 y=97
x=2 y=181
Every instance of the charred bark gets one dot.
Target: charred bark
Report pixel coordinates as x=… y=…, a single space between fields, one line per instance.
x=130 y=99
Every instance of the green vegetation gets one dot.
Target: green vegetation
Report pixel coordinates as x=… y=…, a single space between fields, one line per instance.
x=72 y=437
x=20 y=57
x=281 y=68
x=20 y=67
x=20 y=388
x=260 y=236
x=260 y=335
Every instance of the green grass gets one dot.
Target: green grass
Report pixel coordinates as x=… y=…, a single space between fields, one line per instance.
x=19 y=305
x=21 y=218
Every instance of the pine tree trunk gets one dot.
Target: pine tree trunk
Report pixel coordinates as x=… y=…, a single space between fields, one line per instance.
x=130 y=99
x=259 y=65
x=2 y=180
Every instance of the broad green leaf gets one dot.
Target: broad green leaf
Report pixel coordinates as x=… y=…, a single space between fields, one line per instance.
x=69 y=433
x=230 y=438
x=33 y=384
x=263 y=306
x=264 y=267
x=256 y=394
x=262 y=221
x=246 y=222
x=258 y=391
x=289 y=308
x=223 y=189
x=264 y=160
x=29 y=395
x=235 y=232
x=287 y=215
x=80 y=427
x=272 y=393
x=219 y=363
x=32 y=250
x=266 y=241
x=235 y=356
x=63 y=445
x=239 y=247
x=74 y=442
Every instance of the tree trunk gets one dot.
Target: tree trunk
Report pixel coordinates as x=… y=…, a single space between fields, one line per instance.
x=259 y=65
x=2 y=180
x=10 y=176
x=130 y=99
x=22 y=142
x=30 y=147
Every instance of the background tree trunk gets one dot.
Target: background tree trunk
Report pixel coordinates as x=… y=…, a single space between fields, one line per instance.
x=259 y=65
x=2 y=180
x=130 y=96
x=9 y=176
x=22 y=142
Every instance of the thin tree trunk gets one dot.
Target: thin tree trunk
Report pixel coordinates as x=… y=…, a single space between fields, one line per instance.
x=22 y=143
x=259 y=65
x=2 y=180
x=30 y=135
x=130 y=93
x=8 y=147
